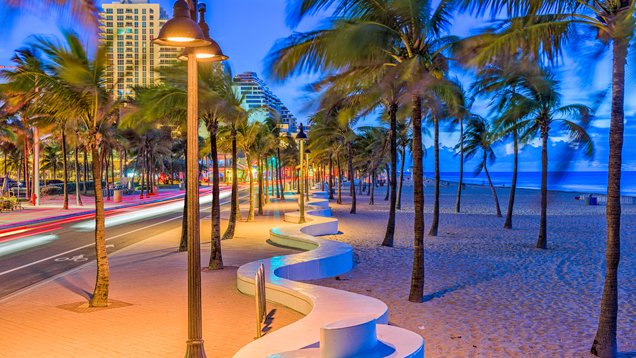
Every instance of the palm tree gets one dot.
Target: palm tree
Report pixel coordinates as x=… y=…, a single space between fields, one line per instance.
x=247 y=138
x=544 y=28
x=479 y=137
x=74 y=87
x=539 y=106
x=404 y=34
x=502 y=79
x=51 y=158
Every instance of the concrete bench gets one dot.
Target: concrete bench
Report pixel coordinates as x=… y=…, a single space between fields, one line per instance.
x=321 y=305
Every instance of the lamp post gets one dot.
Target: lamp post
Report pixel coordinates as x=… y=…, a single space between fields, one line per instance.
x=183 y=31
x=301 y=137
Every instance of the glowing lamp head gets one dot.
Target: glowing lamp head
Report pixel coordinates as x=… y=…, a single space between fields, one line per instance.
x=181 y=30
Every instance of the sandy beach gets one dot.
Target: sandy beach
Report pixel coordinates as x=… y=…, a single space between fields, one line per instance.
x=489 y=292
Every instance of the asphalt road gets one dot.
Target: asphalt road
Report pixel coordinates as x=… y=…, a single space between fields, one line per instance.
x=55 y=247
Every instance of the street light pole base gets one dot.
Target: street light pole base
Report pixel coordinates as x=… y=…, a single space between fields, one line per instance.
x=195 y=349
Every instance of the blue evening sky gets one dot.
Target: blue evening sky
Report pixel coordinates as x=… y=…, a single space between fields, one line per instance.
x=247 y=29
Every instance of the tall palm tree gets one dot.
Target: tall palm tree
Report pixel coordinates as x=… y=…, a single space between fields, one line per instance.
x=501 y=79
x=405 y=34
x=544 y=27
x=51 y=158
x=479 y=137
x=539 y=106
x=73 y=86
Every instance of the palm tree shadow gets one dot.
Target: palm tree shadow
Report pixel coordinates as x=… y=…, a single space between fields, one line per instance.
x=71 y=286
x=459 y=286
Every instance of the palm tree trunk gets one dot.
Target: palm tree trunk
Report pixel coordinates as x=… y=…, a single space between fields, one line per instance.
x=260 y=186
x=267 y=181
x=229 y=232
x=330 y=175
x=77 y=172
x=85 y=169
x=605 y=340
x=372 y=188
x=100 y=294
x=388 y=181
x=435 y=223
x=417 y=277
x=461 y=165
x=511 y=201
x=542 y=242
x=250 y=213
x=143 y=176
x=105 y=158
x=183 y=241
x=216 y=258
x=352 y=179
x=339 y=201
x=276 y=189
x=26 y=169
x=65 y=168
x=390 y=227
x=280 y=175
x=399 y=198
x=112 y=166
x=494 y=193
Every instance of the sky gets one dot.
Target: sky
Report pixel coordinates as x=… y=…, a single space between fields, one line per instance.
x=246 y=30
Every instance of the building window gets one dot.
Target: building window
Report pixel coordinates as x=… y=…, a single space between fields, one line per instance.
x=144 y=81
x=136 y=11
x=129 y=24
x=120 y=17
x=120 y=86
x=120 y=68
x=120 y=62
x=136 y=80
x=120 y=74
x=109 y=11
x=136 y=31
x=152 y=17
x=110 y=49
x=143 y=24
x=143 y=37
x=143 y=11
x=120 y=11
x=109 y=17
x=151 y=11
x=152 y=24
x=143 y=74
x=152 y=31
x=120 y=24
x=109 y=24
x=143 y=18
x=120 y=56
x=128 y=18
x=136 y=24
x=120 y=43
x=120 y=49
x=109 y=31
x=128 y=80
x=143 y=31
x=120 y=31
x=136 y=17
x=128 y=11
x=120 y=37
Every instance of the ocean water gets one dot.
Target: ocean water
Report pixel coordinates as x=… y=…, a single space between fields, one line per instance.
x=584 y=182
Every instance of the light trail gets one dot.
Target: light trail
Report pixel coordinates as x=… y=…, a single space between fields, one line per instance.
x=93 y=244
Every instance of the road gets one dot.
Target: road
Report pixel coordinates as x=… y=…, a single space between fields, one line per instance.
x=53 y=247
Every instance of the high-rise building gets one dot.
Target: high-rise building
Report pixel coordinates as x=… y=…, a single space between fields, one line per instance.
x=128 y=27
x=257 y=94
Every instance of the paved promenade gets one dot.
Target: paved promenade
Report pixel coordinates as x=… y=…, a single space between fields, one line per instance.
x=148 y=317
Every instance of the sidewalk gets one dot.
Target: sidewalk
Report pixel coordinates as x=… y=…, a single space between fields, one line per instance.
x=148 y=317
x=51 y=207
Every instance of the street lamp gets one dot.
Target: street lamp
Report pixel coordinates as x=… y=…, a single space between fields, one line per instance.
x=301 y=137
x=307 y=152
x=183 y=31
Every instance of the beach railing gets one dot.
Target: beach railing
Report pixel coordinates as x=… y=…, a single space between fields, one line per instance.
x=259 y=297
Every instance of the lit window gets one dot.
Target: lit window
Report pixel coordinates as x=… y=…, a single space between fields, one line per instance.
x=120 y=31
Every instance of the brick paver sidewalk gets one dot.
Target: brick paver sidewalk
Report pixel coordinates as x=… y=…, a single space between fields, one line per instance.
x=149 y=289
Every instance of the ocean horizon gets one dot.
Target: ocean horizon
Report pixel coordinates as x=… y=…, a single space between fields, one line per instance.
x=584 y=182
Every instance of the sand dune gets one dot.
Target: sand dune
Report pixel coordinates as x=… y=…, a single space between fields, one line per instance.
x=489 y=292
